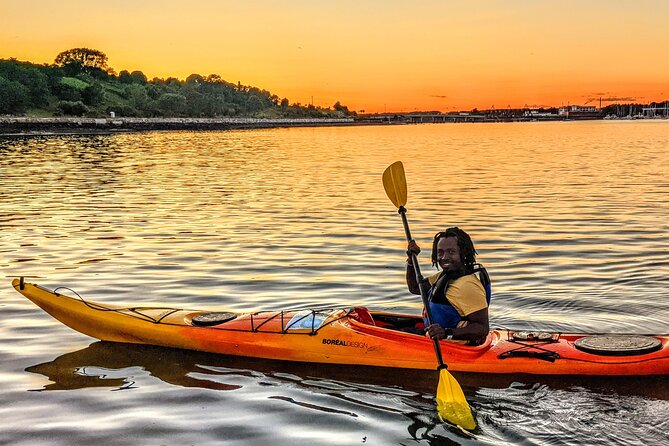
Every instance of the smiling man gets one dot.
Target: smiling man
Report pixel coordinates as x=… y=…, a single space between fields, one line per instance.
x=457 y=297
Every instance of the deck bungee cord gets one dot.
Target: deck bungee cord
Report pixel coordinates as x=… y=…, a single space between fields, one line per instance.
x=135 y=312
x=320 y=317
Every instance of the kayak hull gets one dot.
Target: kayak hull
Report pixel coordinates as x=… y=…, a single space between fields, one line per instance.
x=340 y=336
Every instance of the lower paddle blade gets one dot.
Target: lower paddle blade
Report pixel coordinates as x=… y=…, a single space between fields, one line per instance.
x=451 y=403
x=395 y=184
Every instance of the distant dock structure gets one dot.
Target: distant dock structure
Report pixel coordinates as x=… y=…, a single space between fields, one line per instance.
x=437 y=118
x=493 y=115
x=656 y=112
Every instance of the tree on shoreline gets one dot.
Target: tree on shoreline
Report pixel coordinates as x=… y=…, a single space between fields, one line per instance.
x=14 y=96
x=83 y=60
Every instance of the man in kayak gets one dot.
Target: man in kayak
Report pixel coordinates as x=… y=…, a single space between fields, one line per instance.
x=457 y=297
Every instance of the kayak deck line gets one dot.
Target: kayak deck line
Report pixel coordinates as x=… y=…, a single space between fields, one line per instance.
x=532 y=346
x=311 y=319
x=128 y=311
x=318 y=316
x=350 y=336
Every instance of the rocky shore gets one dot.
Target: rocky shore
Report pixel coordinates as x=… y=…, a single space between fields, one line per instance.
x=28 y=125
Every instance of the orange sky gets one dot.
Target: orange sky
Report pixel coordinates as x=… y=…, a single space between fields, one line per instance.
x=376 y=55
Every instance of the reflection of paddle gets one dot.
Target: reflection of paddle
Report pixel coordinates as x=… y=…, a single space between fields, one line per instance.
x=451 y=403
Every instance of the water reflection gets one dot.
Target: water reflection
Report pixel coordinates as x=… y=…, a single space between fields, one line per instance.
x=572 y=237
x=178 y=367
x=182 y=367
x=110 y=365
x=515 y=409
x=303 y=391
x=569 y=218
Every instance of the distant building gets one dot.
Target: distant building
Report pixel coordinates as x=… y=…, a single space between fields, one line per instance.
x=578 y=111
x=536 y=114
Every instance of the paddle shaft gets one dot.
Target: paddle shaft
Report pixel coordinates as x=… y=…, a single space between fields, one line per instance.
x=422 y=285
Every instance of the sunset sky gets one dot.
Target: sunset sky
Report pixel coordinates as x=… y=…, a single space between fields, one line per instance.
x=372 y=55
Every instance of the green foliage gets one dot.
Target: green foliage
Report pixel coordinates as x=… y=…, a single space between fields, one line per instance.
x=71 y=108
x=31 y=78
x=137 y=97
x=83 y=60
x=172 y=104
x=124 y=77
x=254 y=103
x=339 y=107
x=81 y=83
x=138 y=77
x=194 y=79
x=93 y=94
x=74 y=83
x=14 y=97
x=66 y=92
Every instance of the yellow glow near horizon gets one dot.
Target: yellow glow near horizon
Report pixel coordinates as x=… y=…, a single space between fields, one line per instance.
x=376 y=55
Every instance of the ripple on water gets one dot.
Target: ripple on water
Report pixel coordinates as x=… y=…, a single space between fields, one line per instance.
x=569 y=218
x=539 y=414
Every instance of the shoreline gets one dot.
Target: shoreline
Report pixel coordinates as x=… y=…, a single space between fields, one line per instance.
x=28 y=126
x=11 y=126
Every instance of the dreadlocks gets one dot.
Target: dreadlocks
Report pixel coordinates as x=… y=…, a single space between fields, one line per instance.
x=465 y=244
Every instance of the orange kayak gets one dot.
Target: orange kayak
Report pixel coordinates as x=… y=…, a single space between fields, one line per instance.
x=353 y=336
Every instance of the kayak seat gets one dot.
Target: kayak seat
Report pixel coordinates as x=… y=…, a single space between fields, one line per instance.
x=362 y=315
x=383 y=324
x=390 y=321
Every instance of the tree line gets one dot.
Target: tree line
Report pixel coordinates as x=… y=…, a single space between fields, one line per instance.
x=80 y=83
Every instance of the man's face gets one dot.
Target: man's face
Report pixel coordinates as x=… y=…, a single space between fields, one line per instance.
x=448 y=254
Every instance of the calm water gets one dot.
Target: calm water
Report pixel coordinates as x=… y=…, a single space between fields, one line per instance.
x=570 y=218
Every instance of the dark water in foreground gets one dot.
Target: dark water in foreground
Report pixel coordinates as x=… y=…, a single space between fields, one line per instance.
x=570 y=219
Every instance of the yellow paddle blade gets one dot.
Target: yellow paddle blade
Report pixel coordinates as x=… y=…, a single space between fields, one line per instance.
x=395 y=184
x=451 y=403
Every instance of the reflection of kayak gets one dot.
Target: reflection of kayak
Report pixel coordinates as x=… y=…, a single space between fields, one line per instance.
x=113 y=364
x=354 y=336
